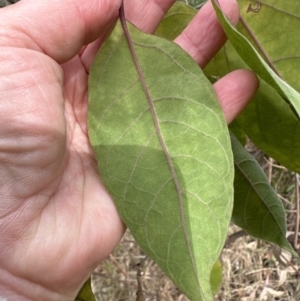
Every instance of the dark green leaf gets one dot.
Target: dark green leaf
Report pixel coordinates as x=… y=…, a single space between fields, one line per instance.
x=257 y=208
x=86 y=293
x=194 y=3
x=270 y=123
x=238 y=131
x=216 y=277
x=164 y=154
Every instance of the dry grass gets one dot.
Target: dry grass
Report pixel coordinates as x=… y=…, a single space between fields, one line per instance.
x=252 y=269
x=250 y=272
x=116 y=278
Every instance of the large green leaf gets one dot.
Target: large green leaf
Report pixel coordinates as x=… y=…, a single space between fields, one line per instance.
x=257 y=63
x=164 y=154
x=257 y=208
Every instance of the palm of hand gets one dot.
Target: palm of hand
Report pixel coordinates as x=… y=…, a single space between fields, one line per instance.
x=55 y=198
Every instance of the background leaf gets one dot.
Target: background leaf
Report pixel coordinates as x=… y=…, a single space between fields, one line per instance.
x=236 y=129
x=216 y=277
x=256 y=63
x=194 y=3
x=257 y=208
x=175 y=21
x=270 y=123
x=182 y=225
x=86 y=293
x=268 y=120
x=274 y=28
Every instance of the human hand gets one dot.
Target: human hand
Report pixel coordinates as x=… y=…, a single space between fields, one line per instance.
x=57 y=222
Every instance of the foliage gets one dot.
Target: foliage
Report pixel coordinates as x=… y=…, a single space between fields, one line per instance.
x=257 y=208
x=4 y=3
x=164 y=150
x=86 y=293
x=194 y=3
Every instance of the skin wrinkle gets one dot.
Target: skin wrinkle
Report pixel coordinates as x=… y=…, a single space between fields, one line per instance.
x=21 y=236
x=45 y=148
x=17 y=34
x=18 y=288
x=17 y=234
x=48 y=39
x=9 y=211
x=17 y=87
x=210 y=35
x=29 y=203
x=164 y=5
x=28 y=149
x=42 y=165
x=196 y=43
x=22 y=190
x=41 y=86
x=33 y=114
x=65 y=24
x=80 y=12
x=78 y=94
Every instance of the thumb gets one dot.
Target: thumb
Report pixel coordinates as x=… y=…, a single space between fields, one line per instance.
x=57 y=28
